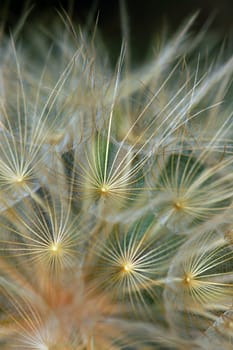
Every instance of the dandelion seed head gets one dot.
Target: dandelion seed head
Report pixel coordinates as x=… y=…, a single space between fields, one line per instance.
x=98 y=184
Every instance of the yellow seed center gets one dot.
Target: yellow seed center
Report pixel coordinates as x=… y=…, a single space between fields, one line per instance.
x=188 y=278
x=178 y=205
x=55 y=248
x=19 y=179
x=127 y=267
x=104 y=189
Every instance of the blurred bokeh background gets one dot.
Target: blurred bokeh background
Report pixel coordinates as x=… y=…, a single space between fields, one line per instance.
x=144 y=18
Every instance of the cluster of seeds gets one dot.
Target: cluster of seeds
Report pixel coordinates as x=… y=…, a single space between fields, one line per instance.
x=116 y=195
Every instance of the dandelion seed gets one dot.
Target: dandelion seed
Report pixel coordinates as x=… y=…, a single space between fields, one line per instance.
x=130 y=265
x=200 y=279
x=188 y=192
x=48 y=235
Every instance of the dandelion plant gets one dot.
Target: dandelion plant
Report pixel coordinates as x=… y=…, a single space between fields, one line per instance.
x=115 y=193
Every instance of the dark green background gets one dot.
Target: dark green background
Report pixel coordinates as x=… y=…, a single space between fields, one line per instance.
x=145 y=17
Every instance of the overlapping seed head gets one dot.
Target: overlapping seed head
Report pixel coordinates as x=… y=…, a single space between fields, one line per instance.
x=115 y=195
